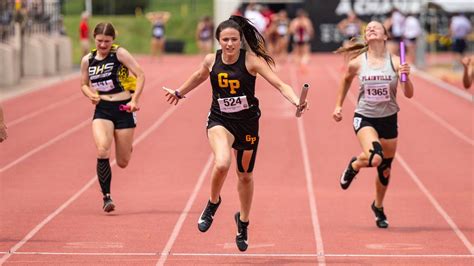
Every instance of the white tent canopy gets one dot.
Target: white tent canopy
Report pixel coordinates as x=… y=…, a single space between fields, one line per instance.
x=370 y=7
x=453 y=6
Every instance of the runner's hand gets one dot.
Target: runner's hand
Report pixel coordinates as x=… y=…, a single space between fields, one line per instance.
x=94 y=98
x=303 y=107
x=171 y=94
x=405 y=69
x=466 y=61
x=337 y=114
x=3 y=132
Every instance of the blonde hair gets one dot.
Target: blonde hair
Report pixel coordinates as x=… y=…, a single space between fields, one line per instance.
x=353 y=50
x=357 y=46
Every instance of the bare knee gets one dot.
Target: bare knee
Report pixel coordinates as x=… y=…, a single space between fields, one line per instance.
x=245 y=178
x=222 y=165
x=376 y=161
x=122 y=163
x=103 y=152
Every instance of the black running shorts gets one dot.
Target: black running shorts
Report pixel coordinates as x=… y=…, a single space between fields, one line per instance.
x=245 y=131
x=386 y=127
x=110 y=111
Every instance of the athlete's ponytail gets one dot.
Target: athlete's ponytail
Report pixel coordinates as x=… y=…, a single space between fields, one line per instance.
x=248 y=34
x=353 y=50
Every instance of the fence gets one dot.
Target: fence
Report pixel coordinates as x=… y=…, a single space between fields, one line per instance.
x=37 y=16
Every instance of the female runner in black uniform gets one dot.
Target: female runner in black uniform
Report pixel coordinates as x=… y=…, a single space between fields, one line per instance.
x=233 y=120
x=107 y=83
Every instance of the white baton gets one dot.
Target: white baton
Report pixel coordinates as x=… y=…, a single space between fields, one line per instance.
x=304 y=92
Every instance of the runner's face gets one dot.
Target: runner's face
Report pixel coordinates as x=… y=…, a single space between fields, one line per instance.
x=229 y=39
x=103 y=43
x=375 y=31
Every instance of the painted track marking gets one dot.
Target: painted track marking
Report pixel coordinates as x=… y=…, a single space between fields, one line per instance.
x=293 y=255
x=309 y=181
x=179 y=224
x=66 y=204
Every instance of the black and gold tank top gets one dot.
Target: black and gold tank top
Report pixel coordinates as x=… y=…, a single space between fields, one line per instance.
x=109 y=75
x=233 y=89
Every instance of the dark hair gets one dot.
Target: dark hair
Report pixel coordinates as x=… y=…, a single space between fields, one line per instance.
x=104 y=28
x=249 y=34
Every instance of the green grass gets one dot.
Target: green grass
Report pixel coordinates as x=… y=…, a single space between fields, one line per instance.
x=134 y=32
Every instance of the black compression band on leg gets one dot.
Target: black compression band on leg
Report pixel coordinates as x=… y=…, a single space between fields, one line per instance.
x=252 y=161
x=240 y=166
x=377 y=150
x=104 y=174
x=240 y=154
x=386 y=164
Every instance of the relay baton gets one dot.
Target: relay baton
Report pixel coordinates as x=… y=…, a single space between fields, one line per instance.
x=304 y=92
x=124 y=107
x=402 y=59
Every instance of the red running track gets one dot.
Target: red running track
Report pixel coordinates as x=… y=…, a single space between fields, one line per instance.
x=50 y=202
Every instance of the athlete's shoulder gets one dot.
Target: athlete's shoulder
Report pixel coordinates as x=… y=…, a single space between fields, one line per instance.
x=85 y=59
x=354 y=64
x=209 y=60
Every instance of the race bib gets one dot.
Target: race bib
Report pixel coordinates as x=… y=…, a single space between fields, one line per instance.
x=158 y=31
x=233 y=104
x=356 y=122
x=377 y=92
x=103 y=86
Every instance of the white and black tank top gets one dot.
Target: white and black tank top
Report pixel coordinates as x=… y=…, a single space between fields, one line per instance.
x=378 y=89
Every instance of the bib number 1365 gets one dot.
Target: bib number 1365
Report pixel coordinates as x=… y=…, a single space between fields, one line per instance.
x=377 y=92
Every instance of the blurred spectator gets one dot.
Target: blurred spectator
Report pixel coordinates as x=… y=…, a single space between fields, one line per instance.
x=252 y=12
x=459 y=28
x=281 y=24
x=350 y=28
x=468 y=75
x=394 y=24
x=267 y=13
x=6 y=17
x=411 y=33
x=158 y=21
x=302 y=30
x=204 y=32
x=84 y=33
x=62 y=28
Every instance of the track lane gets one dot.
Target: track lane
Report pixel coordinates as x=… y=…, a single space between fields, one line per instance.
x=155 y=215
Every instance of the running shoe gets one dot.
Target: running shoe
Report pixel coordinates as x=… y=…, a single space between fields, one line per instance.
x=241 y=239
x=207 y=216
x=108 y=204
x=348 y=175
x=380 y=218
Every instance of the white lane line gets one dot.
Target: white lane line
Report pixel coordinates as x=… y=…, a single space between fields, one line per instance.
x=29 y=85
x=38 y=227
x=45 y=145
x=42 y=110
x=442 y=122
x=52 y=141
x=430 y=197
x=290 y=255
x=325 y=255
x=179 y=224
x=435 y=203
x=309 y=182
x=443 y=85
